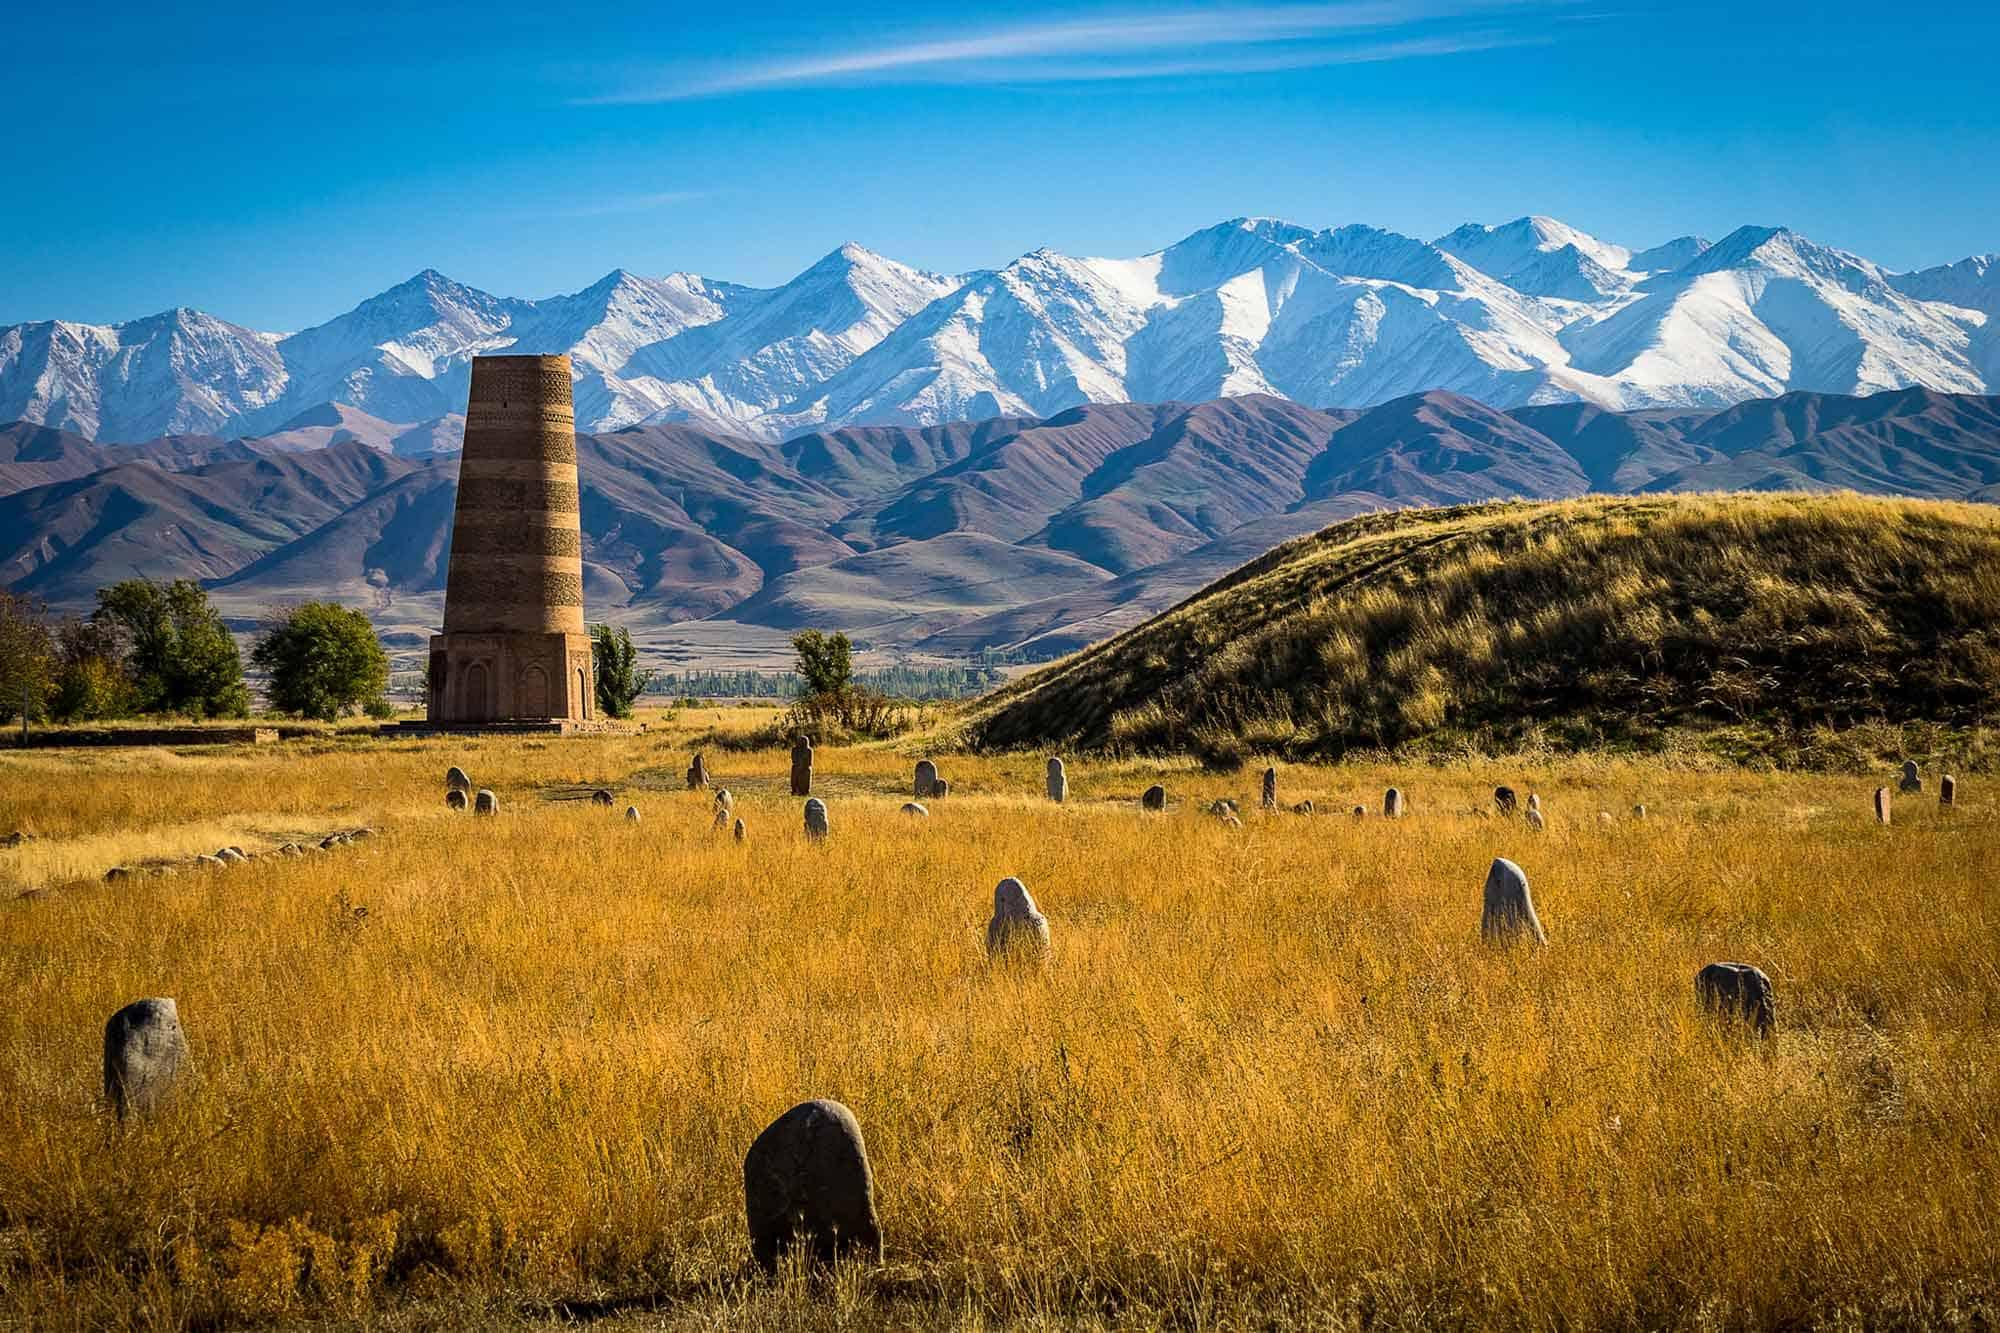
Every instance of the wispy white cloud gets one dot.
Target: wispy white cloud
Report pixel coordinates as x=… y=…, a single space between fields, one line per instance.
x=1170 y=42
x=605 y=205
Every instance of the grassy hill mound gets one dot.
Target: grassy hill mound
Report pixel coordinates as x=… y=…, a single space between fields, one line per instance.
x=1757 y=625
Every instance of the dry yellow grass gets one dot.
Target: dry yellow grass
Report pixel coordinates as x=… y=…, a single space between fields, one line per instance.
x=1271 y=1078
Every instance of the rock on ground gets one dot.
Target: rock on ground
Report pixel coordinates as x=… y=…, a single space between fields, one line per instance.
x=807 y=1182
x=1509 y=909
x=1016 y=927
x=1738 y=990
x=145 y=1052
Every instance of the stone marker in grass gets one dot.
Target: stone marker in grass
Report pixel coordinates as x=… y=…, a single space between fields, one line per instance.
x=1016 y=928
x=1508 y=912
x=1058 y=780
x=145 y=1052
x=1738 y=990
x=486 y=803
x=1155 y=798
x=802 y=765
x=807 y=1183
x=925 y=780
x=816 y=822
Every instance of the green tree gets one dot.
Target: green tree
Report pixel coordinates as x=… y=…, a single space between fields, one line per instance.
x=90 y=682
x=27 y=655
x=619 y=680
x=178 y=653
x=826 y=662
x=323 y=660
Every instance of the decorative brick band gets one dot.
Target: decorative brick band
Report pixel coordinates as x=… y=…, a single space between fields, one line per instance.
x=517 y=495
x=556 y=444
x=515 y=539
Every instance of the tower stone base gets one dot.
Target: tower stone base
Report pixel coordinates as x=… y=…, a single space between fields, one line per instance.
x=511 y=677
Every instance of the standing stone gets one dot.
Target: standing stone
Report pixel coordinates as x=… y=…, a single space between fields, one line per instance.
x=631 y=814
x=1738 y=990
x=455 y=798
x=940 y=789
x=816 y=825
x=1270 y=798
x=802 y=765
x=144 y=1053
x=1509 y=911
x=723 y=814
x=486 y=803
x=741 y=832
x=1392 y=803
x=725 y=799
x=1912 y=780
x=1881 y=805
x=1504 y=800
x=926 y=779
x=1303 y=808
x=1638 y=812
x=1534 y=819
x=697 y=774
x=1016 y=926
x=806 y=1181
x=1155 y=798
x=455 y=779
x=1535 y=802
x=1360 y=812
x=116 y=873
x=602 y=797
x=1947 y=790
x=1058 y=781
x=915 y=810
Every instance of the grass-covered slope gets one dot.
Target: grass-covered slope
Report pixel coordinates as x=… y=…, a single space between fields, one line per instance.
x=1762 y=624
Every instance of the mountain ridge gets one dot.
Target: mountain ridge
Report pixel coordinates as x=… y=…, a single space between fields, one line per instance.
x=1029 y=535
x=1526 y=312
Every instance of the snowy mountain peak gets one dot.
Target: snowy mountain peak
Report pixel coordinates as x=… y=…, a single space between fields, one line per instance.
x=1499 y=251
x=1529 y=311
x=1670 y=255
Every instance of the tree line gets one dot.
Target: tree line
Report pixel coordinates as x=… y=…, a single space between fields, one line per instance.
x=161 y=649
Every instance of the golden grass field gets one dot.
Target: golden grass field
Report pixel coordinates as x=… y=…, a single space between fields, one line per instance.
x=1271 y=1078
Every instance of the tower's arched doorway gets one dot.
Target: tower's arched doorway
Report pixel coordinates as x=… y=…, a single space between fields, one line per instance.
x=534 y=696
x=474 y=695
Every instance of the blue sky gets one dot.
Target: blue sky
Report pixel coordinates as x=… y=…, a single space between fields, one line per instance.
x=276 y=169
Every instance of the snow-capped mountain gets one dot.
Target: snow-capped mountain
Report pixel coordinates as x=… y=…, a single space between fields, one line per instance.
x=1531 y=311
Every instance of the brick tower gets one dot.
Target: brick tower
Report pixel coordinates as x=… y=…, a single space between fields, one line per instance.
x=514 y=648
